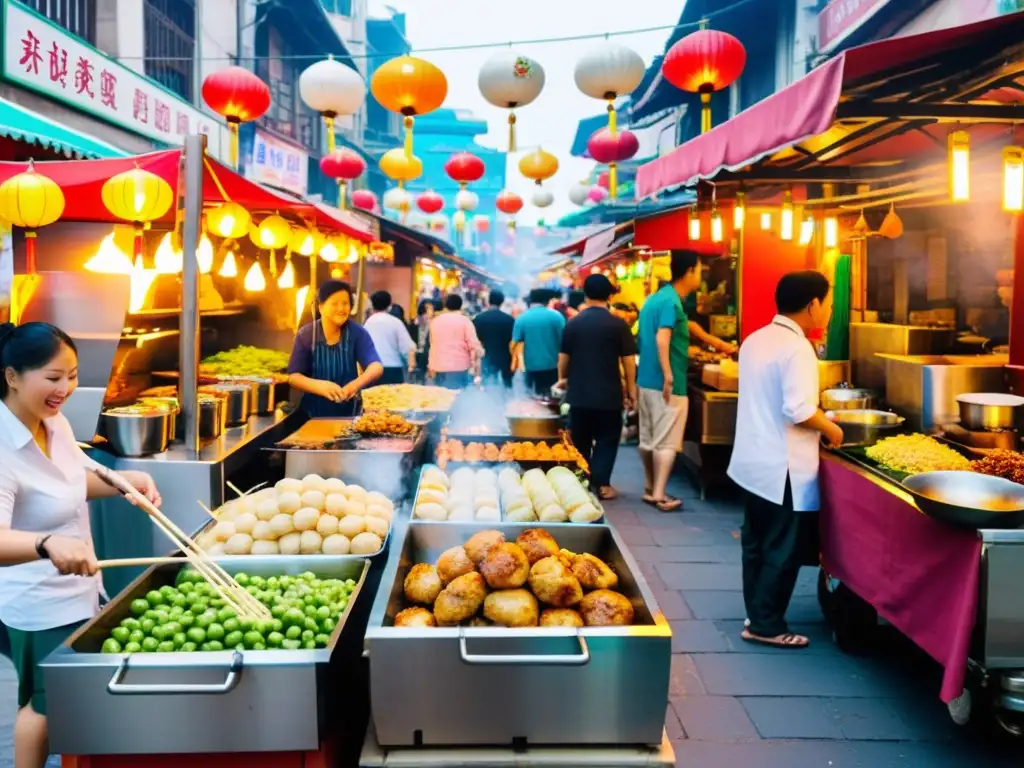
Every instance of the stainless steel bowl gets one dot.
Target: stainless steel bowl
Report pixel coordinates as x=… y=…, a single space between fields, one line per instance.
x=169 y=404
x=238 y=403
x=863 y=427
x=136 y=430
x=989 y=410
x=968 y=499
x=844 y=399
x=534 y=427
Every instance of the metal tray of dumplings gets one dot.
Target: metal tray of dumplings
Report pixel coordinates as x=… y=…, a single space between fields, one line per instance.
x=498 y=686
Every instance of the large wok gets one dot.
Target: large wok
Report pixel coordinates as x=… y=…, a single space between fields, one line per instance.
x=968 y=499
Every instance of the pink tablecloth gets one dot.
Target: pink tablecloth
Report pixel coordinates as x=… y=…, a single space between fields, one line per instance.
x=920 y=574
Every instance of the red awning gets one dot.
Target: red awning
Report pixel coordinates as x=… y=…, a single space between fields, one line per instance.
x=82 y=182
x=810 y=106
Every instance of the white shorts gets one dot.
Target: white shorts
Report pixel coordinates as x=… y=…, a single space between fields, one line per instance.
x=662 y=424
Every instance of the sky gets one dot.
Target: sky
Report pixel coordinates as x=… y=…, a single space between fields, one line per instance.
x=551 y=120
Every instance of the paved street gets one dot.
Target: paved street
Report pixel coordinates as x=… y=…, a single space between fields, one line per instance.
x=735 y=704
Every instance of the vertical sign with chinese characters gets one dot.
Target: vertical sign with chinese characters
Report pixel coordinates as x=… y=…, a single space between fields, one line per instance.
x=278 y=164
x=41 y=56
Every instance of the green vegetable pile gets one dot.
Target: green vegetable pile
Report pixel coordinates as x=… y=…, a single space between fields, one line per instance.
x=246 y=361
x=190 y=617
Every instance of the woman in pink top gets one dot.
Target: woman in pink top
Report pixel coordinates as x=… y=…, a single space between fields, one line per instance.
x=454 y=346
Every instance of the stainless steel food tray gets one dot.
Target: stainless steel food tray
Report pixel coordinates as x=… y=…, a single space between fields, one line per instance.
x=498 y=686
x=174 y=703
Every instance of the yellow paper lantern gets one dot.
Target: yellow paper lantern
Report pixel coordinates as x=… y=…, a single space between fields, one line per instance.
x=330 y=250
x=30 y=200
x=137 y=196
x=397 y=166
x=409 y=86
x=538 y=165
x=273 y=233
x=305 y=242
x=228 y=220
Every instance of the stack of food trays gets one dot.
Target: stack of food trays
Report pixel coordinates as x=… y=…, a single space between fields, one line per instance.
x=489 y=494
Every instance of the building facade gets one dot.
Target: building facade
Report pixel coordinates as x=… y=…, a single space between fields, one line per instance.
x=385 y=39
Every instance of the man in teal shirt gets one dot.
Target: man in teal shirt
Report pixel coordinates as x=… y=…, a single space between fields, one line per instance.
x=537 y=334
x=664 y=345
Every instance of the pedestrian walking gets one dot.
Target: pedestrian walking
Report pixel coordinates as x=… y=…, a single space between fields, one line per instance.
x=454 y=347
x=596 y=347
x=775 y=456
x=494 y=329
x=664 y=342
x=537 y=336
x=391 y=338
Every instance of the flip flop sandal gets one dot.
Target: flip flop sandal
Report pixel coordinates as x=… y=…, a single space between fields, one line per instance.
x=607 y=495
x=786 y=640
x=668 y=504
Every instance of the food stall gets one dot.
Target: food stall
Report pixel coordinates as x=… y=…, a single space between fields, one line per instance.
x=893 y=168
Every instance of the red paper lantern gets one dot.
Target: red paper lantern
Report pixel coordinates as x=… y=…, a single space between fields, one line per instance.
x=239 y=96
x=509 y=203
x=482 y=223
x=464 y=168
x=430 y=202
x=705 y=61
x=342 y=164
x=606 y=147
x=364 y=199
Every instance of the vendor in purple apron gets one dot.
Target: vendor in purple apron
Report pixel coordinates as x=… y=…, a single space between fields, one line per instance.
x=333 y=358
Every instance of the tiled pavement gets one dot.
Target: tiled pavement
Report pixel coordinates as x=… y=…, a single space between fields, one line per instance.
x=732 y=704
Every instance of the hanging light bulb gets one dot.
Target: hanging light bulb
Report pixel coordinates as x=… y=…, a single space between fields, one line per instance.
x=230 y=266
x=204 y=255
x=831 y=232
x=806 y=231
x=960 y=166
x=786 y=217
x=1013 y=179
x=254 y=279
x=300 y=303
x=329 y=251
x=694 y=225
x=620 y=271
x=766 y=221
x=716 y=226
x=739 y=211
x=167 y=260
x=640 y=269
x=286 y=279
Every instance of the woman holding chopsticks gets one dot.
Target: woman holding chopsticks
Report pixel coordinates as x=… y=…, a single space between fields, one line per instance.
x=49 y=581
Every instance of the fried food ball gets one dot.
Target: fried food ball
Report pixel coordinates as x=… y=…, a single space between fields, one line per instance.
x=479 y=621
x=415 y=617
x=593 y=573
x=422 y=584
x=511 y=608
x=553 y=583
x=505 y=567
x=453 y=563
x=479 y=544
x=560 y=617
x=604 y=608
x=460 y=600
x=537 y=544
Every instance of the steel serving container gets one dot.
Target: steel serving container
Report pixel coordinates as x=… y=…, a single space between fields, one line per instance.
x=864 y=427
x=500 y=686
x=238 y=401
x=189 y=703
x=847 y=398
x=136 y=430
x=989 y=410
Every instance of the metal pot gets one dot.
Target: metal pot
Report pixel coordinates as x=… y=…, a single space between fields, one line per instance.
x=136 y=430
x=212 y=409
x=845 y=399
x=263 y=396
x=988 y=410
x=169 y=404
x=533 y=427
x=238 y=402
x=863 y=427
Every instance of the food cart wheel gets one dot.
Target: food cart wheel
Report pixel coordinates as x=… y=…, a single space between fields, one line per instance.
x=1008 y=707
x=960 y=708
x=852 y=620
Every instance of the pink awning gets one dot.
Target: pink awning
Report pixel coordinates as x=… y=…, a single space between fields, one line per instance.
x=806 y=108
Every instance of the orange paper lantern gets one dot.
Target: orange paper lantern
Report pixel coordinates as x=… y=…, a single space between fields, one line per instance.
x=409 y=86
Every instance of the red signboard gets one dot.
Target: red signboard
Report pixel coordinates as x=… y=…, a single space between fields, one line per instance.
x=842 y=17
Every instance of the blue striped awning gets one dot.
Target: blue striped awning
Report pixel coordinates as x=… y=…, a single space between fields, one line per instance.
x=22 y=124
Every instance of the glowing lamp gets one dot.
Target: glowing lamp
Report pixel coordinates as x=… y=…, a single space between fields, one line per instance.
x=30 y=200
x=300 y=304
x=959 y=166
x=229 y=220
x=329 y=251
x=717 y=234
x=831 y=232
x=109 y=259
x=620 y=271
x=766 y=221
x=703 y=62
x=229 y=268
x=254 y=280
x=806 y=231
x=305 y=242
x=204 y=255
x=168 y=260
x=694 y=226
x=273 y=232
x=139 y=197
x=287 y=278
x=739 y=211
x=1013 y=179
x=238 y=96
x=786 y=217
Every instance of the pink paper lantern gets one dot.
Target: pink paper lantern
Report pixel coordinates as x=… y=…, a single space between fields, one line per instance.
x=597 y=194
x=606 y=148
x=364 y=199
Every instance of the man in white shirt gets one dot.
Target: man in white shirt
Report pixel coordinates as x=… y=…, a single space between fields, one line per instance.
x=775 y=452
x=390 y=335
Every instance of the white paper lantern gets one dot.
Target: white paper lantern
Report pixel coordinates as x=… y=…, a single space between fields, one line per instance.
x=578 y=193
x=609 y=70
x=332 y=88
x=542 y=197
x=510 y=80
x=466 y=200
x=397 y=199
x=459 y=220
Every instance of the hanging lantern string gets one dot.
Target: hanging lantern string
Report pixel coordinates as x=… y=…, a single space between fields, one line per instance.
x=408 y=123
x=383 y=56
x=329 y=124
x=511 y=131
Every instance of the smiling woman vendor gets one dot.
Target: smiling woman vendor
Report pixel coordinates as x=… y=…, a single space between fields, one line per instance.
x=328 y=355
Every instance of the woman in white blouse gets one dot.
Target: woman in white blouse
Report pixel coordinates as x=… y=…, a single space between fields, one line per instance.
x=49 y=583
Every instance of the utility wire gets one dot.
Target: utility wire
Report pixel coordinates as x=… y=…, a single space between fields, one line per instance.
x=469 y=46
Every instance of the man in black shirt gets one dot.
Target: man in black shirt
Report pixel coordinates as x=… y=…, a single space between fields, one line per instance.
x=598 y=356
x=494 y=329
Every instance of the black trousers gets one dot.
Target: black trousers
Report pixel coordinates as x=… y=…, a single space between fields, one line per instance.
x=541 y=382
x=775 y=545
x=392 y=376
x=596 y=434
